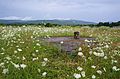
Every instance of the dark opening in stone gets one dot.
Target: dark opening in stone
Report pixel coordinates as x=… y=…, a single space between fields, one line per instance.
x=76 y=35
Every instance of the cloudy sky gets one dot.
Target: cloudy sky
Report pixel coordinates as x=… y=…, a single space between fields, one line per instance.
x=88 y=10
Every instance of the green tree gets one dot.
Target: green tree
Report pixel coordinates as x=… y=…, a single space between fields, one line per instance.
x=48 y=25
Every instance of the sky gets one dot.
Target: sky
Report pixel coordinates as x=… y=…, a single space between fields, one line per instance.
x=87 y=10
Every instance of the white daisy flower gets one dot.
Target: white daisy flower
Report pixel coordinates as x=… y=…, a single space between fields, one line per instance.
x=104 y=69
x=105 y=57
x=33 y=54
x=83 y=73
x=2 y=53
x=19 y=49
x=77 y=76
x=36 y=50
x=90 y=52
x=23 y=66
x=80 y=54
x=93 y=66
x=2 y=64
x=44 y=63
x=44 y=74
x=99 y=72
x=93 y=76
x=107 y=46
x=35 y=59
x=86 y=40
x=115 y=68
x=15 y=52
x=23 y=58
x=8 y=58
x=99 y=54
x=80 y=49
x=5 y=71
x=37 y=44
x=39 y=70
x=45 y=59
x=61 y=42
x=15 y=65
x=80 y=68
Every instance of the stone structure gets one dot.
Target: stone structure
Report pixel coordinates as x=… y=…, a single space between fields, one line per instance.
x=76 y=35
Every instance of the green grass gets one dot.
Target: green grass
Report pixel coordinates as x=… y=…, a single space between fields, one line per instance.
x=60 y=65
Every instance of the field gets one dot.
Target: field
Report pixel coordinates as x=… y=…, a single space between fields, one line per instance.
x=24 y=56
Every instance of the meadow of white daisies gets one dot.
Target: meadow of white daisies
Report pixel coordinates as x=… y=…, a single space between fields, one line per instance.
x=24 y=56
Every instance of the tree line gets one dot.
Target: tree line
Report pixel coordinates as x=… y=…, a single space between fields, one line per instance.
x=107 y=24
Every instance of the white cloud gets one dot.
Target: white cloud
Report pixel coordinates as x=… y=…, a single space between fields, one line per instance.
x=27 y=18
x=17 y=18
x=91 y=10
x=11 y=18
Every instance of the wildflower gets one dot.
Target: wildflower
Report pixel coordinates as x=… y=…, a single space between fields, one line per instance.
x=36 y=50
x=48 y=36
x=15 y=51
x=83 y=73
x=80 y=54
x=114 y=61
x=39 y=70
x=5 y=71
x=80 y=68
x=31 y=37
x=7 y=61
x=2 y=53
x=90 y=52
x=23 y=66
x=93 y=76
x=88 y=46
x=115 y=68
x=43 y=63
x=33 y=54
x=80 y=49
x=61 y=42
x=44 y=74
x=8 y=58
x=107 y=46
x=15 y=65
x=77 y=76
x=89 y=58
x=18 y=57
x=23 y=58
x=105 y=57
x=104 y=69
x=22 y=42
x=67 y=75
x=93 y=66
x=86 y=40
x=38 y=44
x=2 y=64
x=99 y=54
x=19 y=49
x=99 y=72
x=45 y=59
x=35 y=59
x=3 y=49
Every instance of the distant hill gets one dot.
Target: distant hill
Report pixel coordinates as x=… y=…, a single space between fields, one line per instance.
x=61 y=22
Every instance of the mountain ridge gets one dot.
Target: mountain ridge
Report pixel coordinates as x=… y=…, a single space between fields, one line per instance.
x=56 y=21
